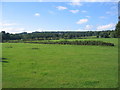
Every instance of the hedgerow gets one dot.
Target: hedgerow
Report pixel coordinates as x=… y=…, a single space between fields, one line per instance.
x=101 y=43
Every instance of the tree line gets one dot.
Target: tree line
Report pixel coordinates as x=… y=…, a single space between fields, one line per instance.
x=61 y=35
x=57 y=35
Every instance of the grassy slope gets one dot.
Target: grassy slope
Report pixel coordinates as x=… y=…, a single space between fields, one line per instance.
x=60 y=66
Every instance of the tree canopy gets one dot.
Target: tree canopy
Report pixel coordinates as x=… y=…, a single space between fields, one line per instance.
x=60 y=35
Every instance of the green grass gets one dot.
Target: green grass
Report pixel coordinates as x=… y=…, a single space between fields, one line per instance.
x=60 y=66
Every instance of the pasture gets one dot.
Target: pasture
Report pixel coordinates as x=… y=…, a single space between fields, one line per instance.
x=60 y=66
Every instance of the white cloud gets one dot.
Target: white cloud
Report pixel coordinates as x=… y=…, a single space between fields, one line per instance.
x=88 y=27
x=7 y=24
x=12 y=29
x=83 y=30
x=106 y=27
x=74 y=11
x=39 y=30
x=37 y=14
x=81 y=21
x=61 y=7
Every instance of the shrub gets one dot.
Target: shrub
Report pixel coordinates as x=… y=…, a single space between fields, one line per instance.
x=77 y=43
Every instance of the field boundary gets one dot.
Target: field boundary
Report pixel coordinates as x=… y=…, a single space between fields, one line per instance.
x=97 y=43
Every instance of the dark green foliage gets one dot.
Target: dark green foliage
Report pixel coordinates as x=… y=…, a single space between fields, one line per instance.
x=8 y=36
x=76 y=43
x=113 y=35
x=57 y=35
x=117 y=30
x=104 y=35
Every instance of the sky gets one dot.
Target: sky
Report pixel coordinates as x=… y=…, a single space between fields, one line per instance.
x=20 y=17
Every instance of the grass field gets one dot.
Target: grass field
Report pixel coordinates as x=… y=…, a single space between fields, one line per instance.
x=60 y=66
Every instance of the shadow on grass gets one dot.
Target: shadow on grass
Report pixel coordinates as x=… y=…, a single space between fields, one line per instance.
x=9 y=47
x=35 y=48
x=3 y=60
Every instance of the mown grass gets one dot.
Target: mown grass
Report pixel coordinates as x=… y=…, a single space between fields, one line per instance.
x=60 y=66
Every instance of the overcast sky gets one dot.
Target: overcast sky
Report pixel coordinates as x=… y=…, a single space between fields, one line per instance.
x=58 y=16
